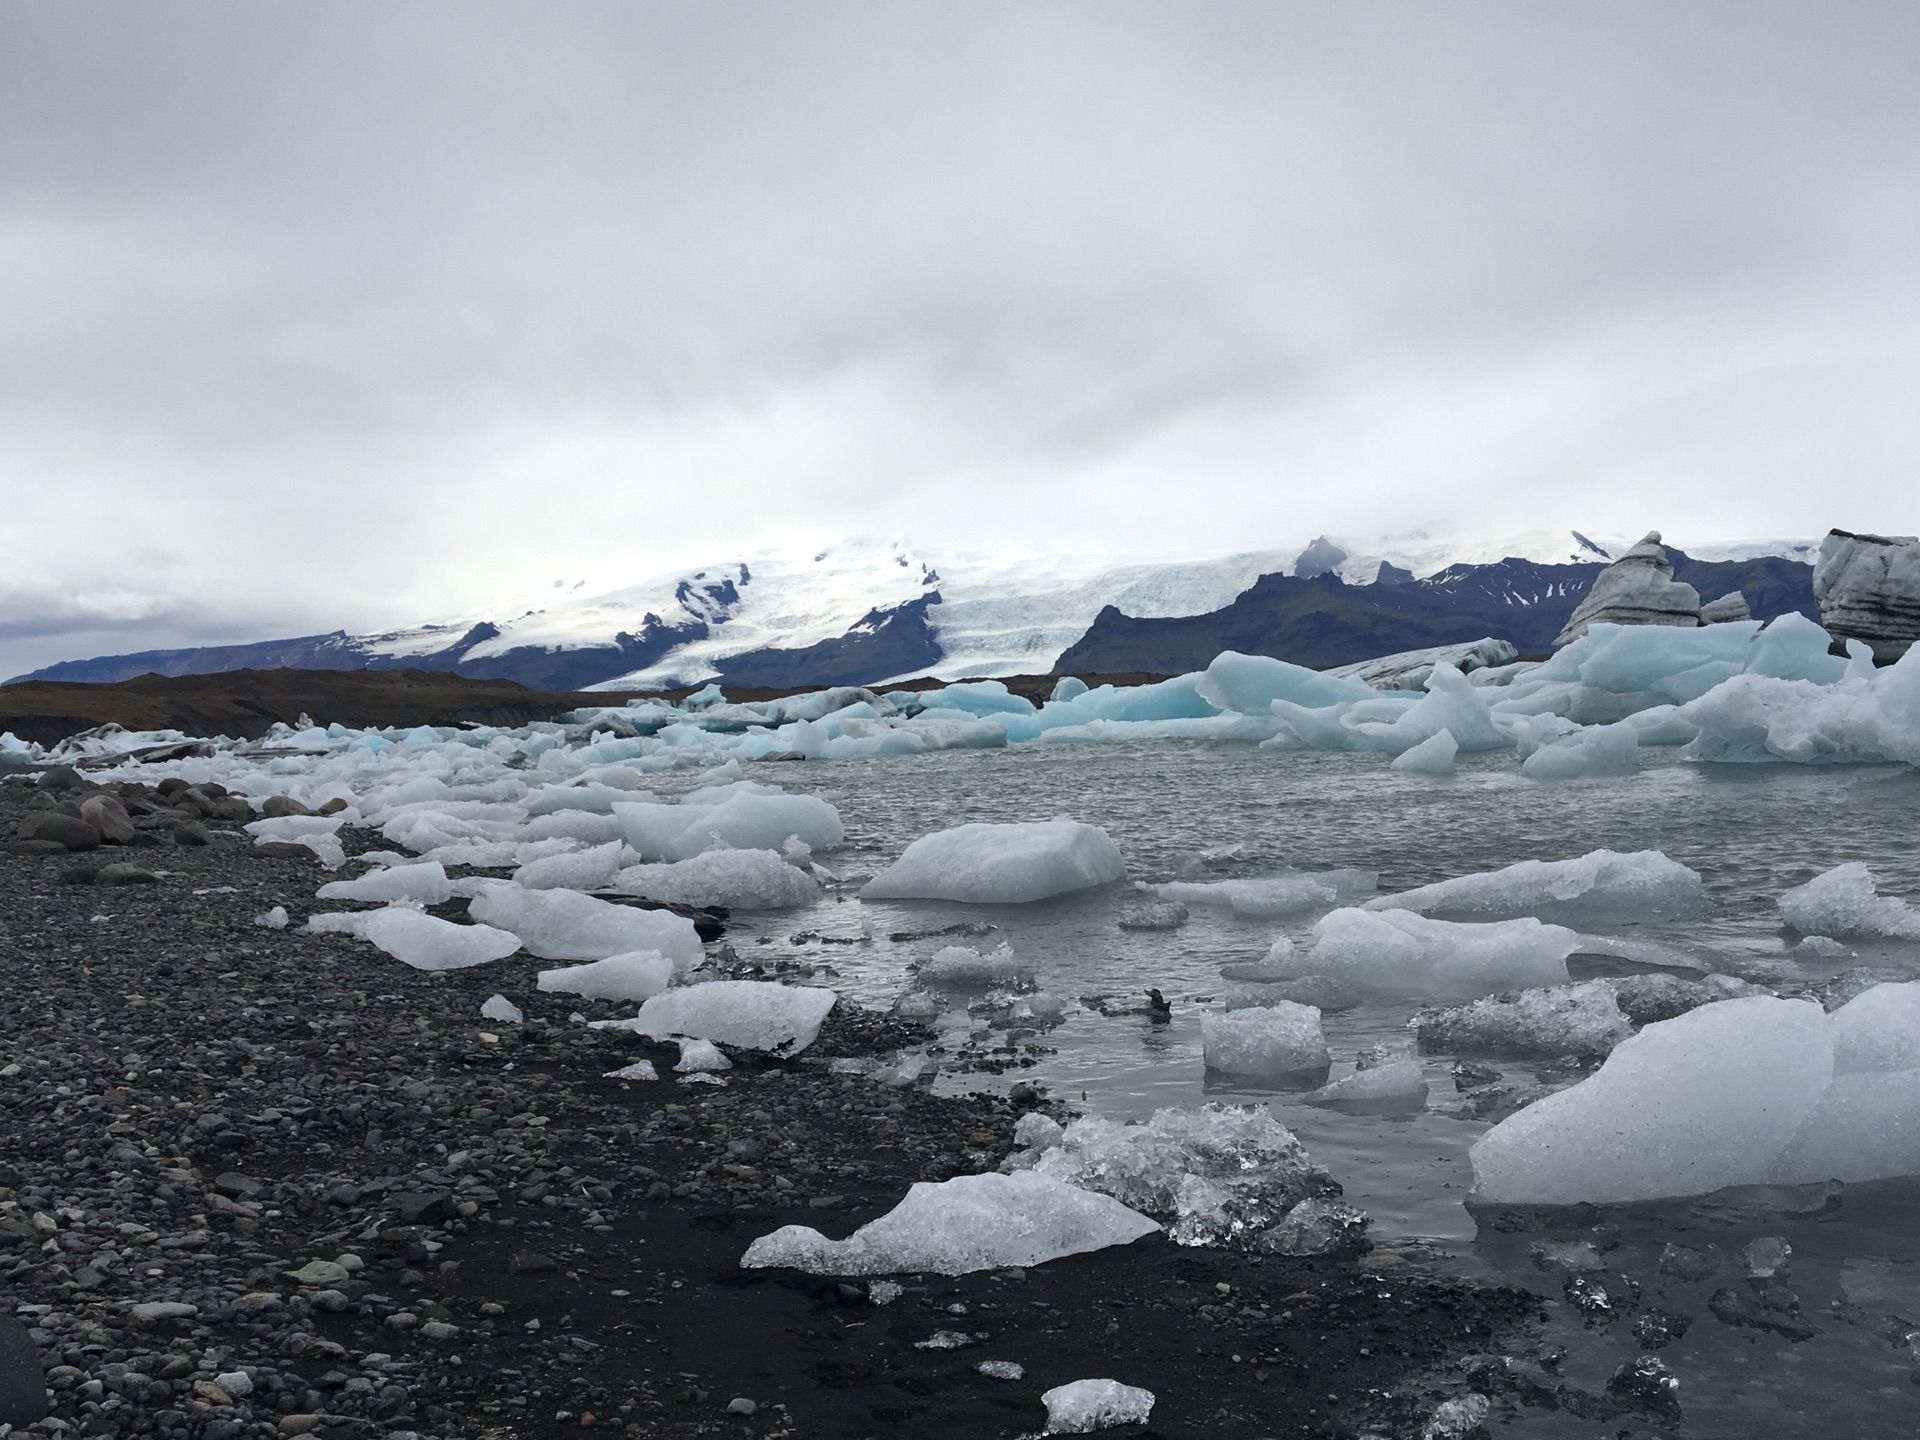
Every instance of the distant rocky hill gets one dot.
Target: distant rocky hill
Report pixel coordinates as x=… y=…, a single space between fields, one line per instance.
x=1322 y=621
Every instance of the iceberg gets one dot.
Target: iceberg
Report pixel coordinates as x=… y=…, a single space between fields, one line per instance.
x=1282 y=1039
x=1219 y=1174
x=1602 y=887
x=566 y=925
x=1409 y=669
x=635 y=975
x=1593 y=750
x=749 y=1014
x=958 y=1226
x=741 y=821
x=1636 y=589
x=736 y=879
x=993 y=864
x=1432 y=756
x=1249 y=684
x=1397 y=952
x=1452 y=703
x=1868 y=588
x=1843 y=903
x=1269 y=896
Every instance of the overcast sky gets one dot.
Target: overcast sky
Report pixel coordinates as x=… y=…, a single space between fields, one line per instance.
x=316 y=315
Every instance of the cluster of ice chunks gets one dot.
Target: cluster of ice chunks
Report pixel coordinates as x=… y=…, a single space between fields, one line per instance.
x=737 y=879
x=1602 y=887
x=415 y=938
x=957 y=1226
x=635 y=975
x=1867 y=718
x=1751 y=1091
x=962 y=967
x=1216 y=1175
x=740 y=816
x=994 y=864
x=1290 y=892
x=590 y=869
x=748 y=1014
x=1843 y=903
x=1279 y=1041
x=1583 y=1019
x=1399 y=952
x=567 y=925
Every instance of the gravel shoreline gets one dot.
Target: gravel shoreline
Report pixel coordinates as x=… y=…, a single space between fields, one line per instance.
x=257 y=1182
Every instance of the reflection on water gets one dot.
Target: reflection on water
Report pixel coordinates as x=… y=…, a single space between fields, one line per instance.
x=1212 y=811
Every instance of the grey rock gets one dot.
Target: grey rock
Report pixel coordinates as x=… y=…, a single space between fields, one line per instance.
x=153 y=1311
x=1868 y=588
x=192 y=832
x=108 y=816
x=69 y=830
x=422 y=1207
x=36 y=847
x=275 y=807
x=23 y=1384
x=60 y=777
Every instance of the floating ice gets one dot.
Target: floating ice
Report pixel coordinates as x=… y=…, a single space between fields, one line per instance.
x=1001 y=864
x=737 y=879
x=498 y=1007
x=1215 y=1175
x=1396 y=952
x=1409 y=669
x=1636 y=589
x=565 y=925
x=426 y=883
x=1156 y=915
x=744 y=820
x=751 y=1014
x=1687 y=1106
x=1594 y=750
x=635 y=975
x=955 y=1227
x=581 y=870
x=1398 y=1083
x=1084 y=1406
x=1872 y=716
x=1249 y=684
x=1582 y=1019
x=958 y=966
x=1601 y=887
x=1317 y=1227
x=1843 y=902
x=1267 y=896
x=1432 y=756
x=1274 y=1040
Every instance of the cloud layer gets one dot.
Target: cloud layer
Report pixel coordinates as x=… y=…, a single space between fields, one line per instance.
x=314 y=315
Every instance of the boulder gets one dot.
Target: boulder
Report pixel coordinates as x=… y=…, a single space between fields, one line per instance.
x=60 y=777
x=107 y=815
x=1636 y=589
x=276 y=807
x=68 y=830
x=1868 y=588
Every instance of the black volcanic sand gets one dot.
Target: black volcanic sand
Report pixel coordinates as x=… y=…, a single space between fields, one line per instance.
x=245 y=704
x=195 y=1105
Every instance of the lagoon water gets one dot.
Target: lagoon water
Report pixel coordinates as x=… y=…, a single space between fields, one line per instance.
x=1204 y=810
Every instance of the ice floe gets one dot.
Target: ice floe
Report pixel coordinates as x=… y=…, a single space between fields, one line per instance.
x=993 y=864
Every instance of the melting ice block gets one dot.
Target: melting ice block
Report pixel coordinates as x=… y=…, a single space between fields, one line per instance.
x=498 y=1007
x=1266 y=896
x=972 y=1222
x=1215 y=1175
x=738 y=879
x=1843 y=902
x=1278 y=1039
x=427 y=942
x=1249 y=684
x=959 y=966
x=1396 y=952
x=1594 y=750
x=566 y=925
x=1432 y=756
x=752 y=1014
x=1687 y=1106
x=581 y=870
x=426 y=883
x=1582 y=1019
x=1601 y=887
x=1083 y=1406
x=1399 y=1083
x=1001 y=864
x=636 y=975
x=744 y=820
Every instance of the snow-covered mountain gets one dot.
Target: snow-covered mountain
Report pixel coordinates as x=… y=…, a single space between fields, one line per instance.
x=861 y=611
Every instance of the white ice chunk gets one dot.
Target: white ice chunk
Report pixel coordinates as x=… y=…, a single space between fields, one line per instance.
x=274 y=919
x=1278 y=1039
x=1452 y=703
x=635 y=975
x=566 y=925
x=1879 y=1029
x=957 y=1226
x=700 y=1057
x=1594 y=750
x=959 y=966
x=581 y=870
x=1601 y=887
x=638 y=1070
x=1083 y=1406
x=1397 y=1081
x=752 y=1014
x=1396 y=952
x=1215 y=1174
x=426 y=883
x=738 y=879
x=1001 y=864
x=427 y=942
x=1687 y=1106
x=1267 y=896
x=742 y=821
x=498 y=1007
x=1581 y=1019
x=1432 y=756
x=1843 y=902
